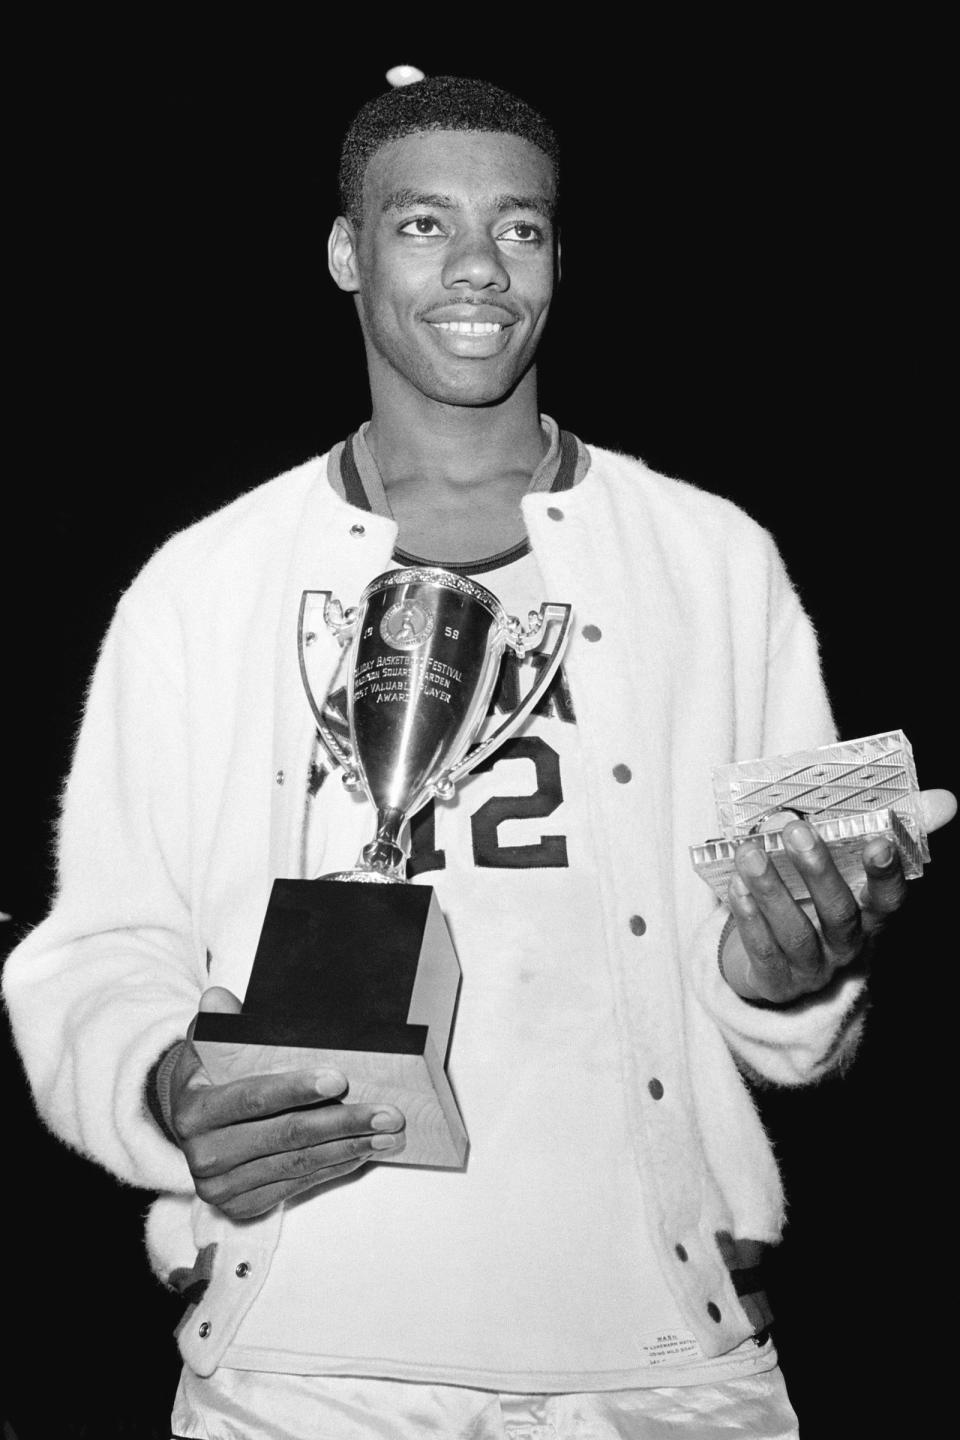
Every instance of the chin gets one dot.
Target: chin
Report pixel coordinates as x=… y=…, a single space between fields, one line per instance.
x=472 y=389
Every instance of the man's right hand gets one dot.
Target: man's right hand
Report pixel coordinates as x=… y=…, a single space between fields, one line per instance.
x=255 y=1142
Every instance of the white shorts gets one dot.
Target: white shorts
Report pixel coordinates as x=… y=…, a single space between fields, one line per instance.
x=252 y=1405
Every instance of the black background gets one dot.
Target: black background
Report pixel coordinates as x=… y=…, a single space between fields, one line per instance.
x=752 y=299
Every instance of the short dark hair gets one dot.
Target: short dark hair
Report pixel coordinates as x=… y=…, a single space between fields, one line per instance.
x=440 y=102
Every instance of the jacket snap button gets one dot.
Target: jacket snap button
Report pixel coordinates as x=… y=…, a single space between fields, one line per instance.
x=205 y=1329
x=622 y=774
x=554 y=513
x=656 y=1089
x=242 y=1269
x=591 y=632
x=713 y=1311
x=638 y=925
x=280 y=777
x=358 y=529
x=681 y=1252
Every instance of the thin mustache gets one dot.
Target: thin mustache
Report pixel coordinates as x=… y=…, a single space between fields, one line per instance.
x=495 y=306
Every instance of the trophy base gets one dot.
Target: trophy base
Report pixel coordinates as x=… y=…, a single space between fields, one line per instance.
x=360 y=876
x=389 y=1069
x=363 y=982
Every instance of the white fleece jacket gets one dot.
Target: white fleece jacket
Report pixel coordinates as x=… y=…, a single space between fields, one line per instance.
x=187 y=795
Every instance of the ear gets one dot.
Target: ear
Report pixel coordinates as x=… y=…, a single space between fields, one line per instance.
x=342 y=254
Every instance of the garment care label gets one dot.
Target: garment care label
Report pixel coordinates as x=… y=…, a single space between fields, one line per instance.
x=670 y=1347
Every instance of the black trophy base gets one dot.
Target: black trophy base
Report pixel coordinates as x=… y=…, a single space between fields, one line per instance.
x=363 y=978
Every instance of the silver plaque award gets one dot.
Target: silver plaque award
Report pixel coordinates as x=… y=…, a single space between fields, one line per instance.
x=357 y=969
x=851 y=792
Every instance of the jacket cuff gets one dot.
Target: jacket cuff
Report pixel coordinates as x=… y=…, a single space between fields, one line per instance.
x=793 y=1044
x=157 y=1089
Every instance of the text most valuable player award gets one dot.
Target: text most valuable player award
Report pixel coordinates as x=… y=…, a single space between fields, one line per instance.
x=359 y=965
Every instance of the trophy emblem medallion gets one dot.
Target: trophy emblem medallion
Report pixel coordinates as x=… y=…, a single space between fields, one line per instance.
x=407 y=625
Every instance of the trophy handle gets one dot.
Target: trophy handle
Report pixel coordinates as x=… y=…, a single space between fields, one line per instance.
x=318 y=609
x=519 y=640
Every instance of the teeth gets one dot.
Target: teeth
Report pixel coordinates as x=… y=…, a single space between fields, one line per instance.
x=469 y=327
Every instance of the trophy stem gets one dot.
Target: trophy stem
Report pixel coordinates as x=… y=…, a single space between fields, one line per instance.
x=384 y=854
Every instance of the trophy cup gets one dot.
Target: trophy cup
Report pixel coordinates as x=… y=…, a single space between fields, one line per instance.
x=357 y=969
x=851 y=792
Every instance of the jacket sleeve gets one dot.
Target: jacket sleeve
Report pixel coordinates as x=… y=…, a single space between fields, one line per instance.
x=794 y=1044
x=111 y=977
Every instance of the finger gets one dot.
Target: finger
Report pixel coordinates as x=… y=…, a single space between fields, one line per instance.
x=789 y=926
x=251 y=1203
x=257 y=1202
x=939 y=808
x=773 y=973
x=220 y=1151
x=279 y=1177
x=218 y=1000
x=210 y=1107
x=835 y=903
x=886 y=886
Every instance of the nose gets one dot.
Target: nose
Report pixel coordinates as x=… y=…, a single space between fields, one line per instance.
x=476 y=263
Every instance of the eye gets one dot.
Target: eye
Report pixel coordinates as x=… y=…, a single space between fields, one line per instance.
x=522 y=232
x=422 y=225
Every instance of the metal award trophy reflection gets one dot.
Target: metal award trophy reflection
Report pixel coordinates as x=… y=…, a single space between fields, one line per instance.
x=357 y=969
x=850 y=792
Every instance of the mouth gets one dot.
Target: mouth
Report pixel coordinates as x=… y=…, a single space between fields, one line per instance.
x=471 y=331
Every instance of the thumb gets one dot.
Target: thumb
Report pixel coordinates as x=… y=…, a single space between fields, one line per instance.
x=939 y=808
x=215 y=1001
x=219 y=1001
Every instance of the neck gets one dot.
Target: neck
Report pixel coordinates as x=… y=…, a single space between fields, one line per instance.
x=457 y=445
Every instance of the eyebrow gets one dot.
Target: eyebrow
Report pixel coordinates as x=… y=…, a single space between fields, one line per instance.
x=405 y=198
x=543 y=204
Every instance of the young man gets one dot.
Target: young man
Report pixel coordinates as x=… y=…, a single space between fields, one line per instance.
x=592 y=1271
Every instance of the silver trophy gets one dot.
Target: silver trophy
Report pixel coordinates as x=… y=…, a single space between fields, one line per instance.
x=426 y=650
x=366 y=980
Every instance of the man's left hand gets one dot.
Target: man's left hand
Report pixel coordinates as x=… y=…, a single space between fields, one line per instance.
x=783 y=949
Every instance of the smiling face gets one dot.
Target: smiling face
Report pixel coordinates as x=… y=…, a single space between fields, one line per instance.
x=453 y=267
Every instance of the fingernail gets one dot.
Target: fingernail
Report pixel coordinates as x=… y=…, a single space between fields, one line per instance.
x=328 y=1082
x=386 y=1142
x=801 y=837
x=385 y=1120
x=882 y=856
x=754 y=860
